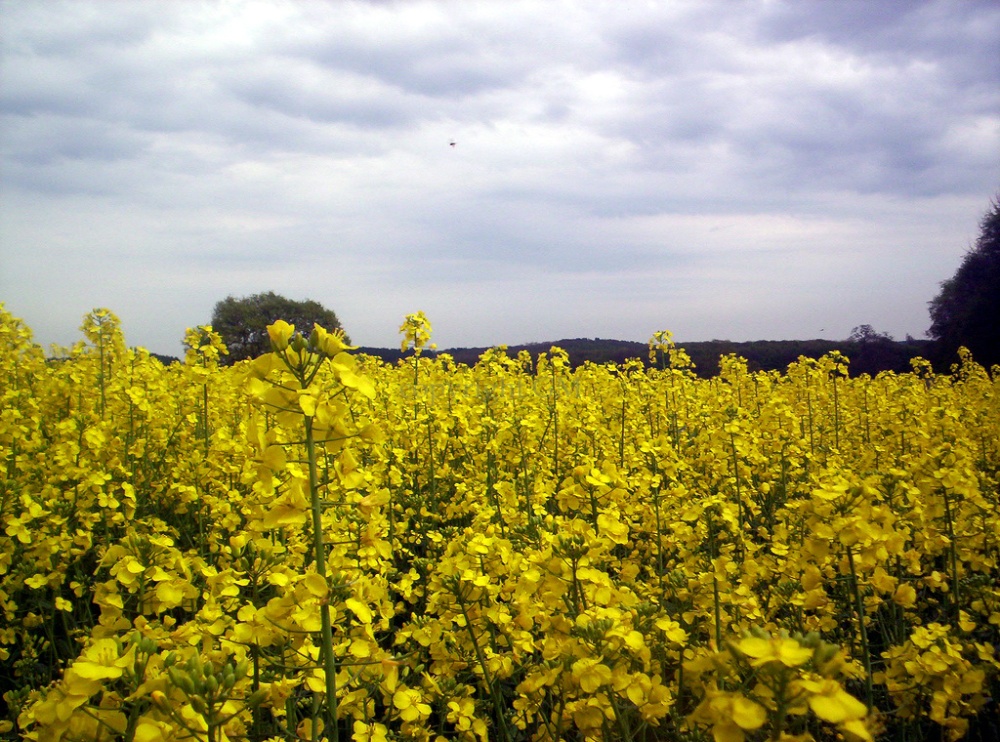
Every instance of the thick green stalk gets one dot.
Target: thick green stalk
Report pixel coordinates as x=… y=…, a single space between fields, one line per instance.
x=100 y=373
x=862 y=630
x=736 y=476
x=319 y=555
x=555 y=426
x=952 y=553
x=498 y=706
x=716 y=599
x=836 y=415
x=621 y=437
x=204 y=412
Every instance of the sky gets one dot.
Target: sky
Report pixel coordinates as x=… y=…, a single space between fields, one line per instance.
x=519 y=170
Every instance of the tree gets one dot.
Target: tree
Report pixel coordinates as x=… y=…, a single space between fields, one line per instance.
x=872 y=350
x=242 y=323
x=868 y=335
x=966 y=311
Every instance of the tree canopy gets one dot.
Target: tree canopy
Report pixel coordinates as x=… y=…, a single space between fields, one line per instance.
x=966 y=311
x=242 y=322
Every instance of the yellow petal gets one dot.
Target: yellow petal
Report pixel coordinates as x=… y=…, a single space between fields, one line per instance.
x=148 y=731
x=360 y=648
x=856 y=728
x=280 y=333
x=284 y=514
x=753 y=646
x=359 y=609
x=316 y=585
x=905 y=596
x=792 y=654
x=747 y=714
x=274 y=458
x=727 y=732
x=307 y=403
x=401 y=699
x=837 y=707
x=634 y=640
x=170 y=593
x=827 y=709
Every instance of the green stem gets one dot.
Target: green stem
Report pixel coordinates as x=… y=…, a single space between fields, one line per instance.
x=739 y=491
x=204 y=402
x=487 y=677
x=621 y=437
x=555 y=426
x=952 y=553
x=100 y=373
x=862 y=630
x=716 y=600
x=836 y=415
x=319 y=555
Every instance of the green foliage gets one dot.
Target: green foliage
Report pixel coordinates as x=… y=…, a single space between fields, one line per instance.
x=966 y=311
x=242 y=323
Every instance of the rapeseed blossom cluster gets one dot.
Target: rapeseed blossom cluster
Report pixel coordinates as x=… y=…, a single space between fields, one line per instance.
x=319 y=545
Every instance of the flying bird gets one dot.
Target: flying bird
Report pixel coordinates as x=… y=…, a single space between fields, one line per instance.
x=452 y=142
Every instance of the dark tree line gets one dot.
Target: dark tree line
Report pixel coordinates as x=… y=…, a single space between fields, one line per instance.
x=869 y=354
x=966 y=311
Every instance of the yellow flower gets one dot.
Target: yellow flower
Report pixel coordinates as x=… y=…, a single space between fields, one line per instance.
x=905 y=596
x=830 y=702
x=328 y=343
x=748 y=714
x=370 y=732
x=785 y=650
x=101 y=661
x=730 y=715
x=360 y=610
x=672 y=630
x=409 y=703
x=613 y=528
x=591 y=674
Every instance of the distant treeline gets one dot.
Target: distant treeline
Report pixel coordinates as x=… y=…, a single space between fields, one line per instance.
x=867 y=356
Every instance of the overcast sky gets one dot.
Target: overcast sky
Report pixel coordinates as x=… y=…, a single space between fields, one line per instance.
x=718 y=168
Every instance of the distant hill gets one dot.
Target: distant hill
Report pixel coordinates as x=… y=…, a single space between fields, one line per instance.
x=761 y=355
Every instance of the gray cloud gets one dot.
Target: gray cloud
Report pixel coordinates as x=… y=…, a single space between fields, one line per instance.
x=750 y=170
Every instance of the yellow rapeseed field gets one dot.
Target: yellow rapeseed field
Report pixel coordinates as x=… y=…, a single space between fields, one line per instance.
x=318 y=545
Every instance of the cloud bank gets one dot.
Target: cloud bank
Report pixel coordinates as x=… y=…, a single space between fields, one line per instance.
x=756 y=170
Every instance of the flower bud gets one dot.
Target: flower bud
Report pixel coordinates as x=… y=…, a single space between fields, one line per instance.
x=316 y=338
x=280 y=333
